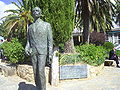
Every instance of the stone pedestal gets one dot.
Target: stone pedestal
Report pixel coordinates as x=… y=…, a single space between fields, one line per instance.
x=55 y=70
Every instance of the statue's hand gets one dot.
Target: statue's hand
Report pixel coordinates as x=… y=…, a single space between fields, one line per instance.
x=28 y=51
x=49 y=61
x=50 y=57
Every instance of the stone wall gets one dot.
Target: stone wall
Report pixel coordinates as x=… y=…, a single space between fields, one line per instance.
x=26 y=72
x=94 y=70
x=7 y=69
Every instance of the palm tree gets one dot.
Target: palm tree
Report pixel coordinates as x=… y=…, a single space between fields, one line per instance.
x=102 y=15
x=1 y=29
x=117 y=12
x=94 y=15
x=17 y=22
x=86 y=19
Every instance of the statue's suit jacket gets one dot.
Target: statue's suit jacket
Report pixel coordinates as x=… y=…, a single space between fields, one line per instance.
x=39 y=38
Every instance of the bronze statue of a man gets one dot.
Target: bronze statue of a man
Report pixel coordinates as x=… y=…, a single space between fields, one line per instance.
x=39 y=47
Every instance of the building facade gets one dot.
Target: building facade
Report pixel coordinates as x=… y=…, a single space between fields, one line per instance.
x=114 y=36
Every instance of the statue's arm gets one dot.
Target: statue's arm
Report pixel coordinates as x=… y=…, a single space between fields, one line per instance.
x=50 y=41
x=27 y=48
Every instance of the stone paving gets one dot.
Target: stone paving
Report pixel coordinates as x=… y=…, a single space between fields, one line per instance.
x=108 y=80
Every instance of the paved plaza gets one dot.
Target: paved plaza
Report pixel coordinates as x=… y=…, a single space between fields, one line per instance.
x=108 y=80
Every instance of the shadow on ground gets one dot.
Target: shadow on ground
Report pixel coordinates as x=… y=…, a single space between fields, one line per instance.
x=24 y=86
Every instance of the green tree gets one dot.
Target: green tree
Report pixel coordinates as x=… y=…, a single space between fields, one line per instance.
x=102 y=15
x=1 y=29
x=94 y=15
x=117 y=12
x=60 y=14
x=86 y=20
x=17 y=22
x=61 y=18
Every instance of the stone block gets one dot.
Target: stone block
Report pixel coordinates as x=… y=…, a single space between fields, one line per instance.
x=8 y=70
x=94 y=70
x=26 y=72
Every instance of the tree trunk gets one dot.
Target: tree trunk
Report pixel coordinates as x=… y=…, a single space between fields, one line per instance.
x=86 y=20
x=69 y=46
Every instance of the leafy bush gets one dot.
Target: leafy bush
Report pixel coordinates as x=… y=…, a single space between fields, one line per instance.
x=118 y=53
x=69 y=59
x=14 y=51
x=61 y=48
x=108 y=46
x=91 y=54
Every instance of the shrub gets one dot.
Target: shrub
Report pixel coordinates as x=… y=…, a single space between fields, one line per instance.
x=108 y=46
x=69 y=59
x=14 y=51
x=91 y=54
x=118 y=53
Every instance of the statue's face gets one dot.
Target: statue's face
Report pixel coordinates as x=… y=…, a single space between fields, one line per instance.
x=36 y=12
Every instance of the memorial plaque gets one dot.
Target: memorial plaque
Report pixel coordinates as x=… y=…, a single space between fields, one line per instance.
x=73 y=71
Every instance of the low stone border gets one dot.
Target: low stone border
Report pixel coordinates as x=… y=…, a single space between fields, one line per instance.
x=95 y=70
x=26 y=72
x=23 y=71
x=7 y=69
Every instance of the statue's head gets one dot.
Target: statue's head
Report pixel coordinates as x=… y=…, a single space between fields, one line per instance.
x=36 y=12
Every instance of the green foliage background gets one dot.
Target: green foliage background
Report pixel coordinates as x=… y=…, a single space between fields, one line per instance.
x=70 y=59
x=88 y=53
x=91 y=54
x=14 y=51
x=59 y=13
x=108 y=46
x=118 y=53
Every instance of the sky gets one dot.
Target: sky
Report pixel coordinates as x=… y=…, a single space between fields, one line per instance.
x=8 y=1
x=6 y=5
